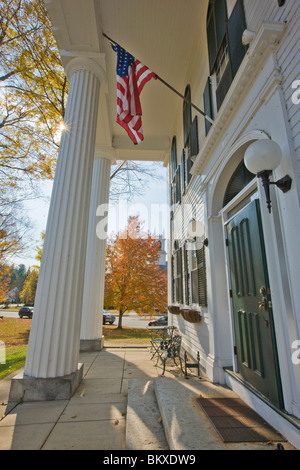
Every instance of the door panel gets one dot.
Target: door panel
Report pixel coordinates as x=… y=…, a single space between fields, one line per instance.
x=251 y=301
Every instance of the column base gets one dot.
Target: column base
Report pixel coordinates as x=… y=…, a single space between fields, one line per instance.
x=91 y=344
x=25 y=388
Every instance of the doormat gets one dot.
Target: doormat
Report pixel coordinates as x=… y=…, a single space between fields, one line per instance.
x=237 y=422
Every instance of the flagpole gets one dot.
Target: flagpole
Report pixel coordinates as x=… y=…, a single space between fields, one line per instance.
x=172 y=88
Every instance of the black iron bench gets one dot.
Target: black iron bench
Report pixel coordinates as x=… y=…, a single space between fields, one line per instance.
x=170 y=349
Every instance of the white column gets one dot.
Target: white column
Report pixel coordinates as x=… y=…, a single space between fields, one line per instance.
x=55 y=333
x=93 y=294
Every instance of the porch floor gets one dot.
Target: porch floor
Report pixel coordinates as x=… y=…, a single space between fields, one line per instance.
x=122 y=403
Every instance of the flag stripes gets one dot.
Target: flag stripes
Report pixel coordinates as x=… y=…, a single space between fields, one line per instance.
x=132 y=76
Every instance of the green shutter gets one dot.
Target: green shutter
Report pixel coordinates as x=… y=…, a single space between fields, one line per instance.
x=183 y=172
x=220 y=20
x=178 y=277
x=211 y=38
x=173 y=297
x=202 y=277
x=186 y=277
x=177 y=185
x=194 y=141
x=207 y=104
x=180 y=273
x=187 y=114
x=173 y=156
x=235 y=28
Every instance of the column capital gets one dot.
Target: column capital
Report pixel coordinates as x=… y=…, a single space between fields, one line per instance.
x=105 y=152
x=85 y=63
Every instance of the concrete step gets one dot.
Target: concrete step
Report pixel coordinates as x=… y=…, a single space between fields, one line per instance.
x=144 y=428
x=186 y=426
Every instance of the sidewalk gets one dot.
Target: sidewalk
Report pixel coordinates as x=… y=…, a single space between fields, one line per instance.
x=94 y=418
x=115 y=408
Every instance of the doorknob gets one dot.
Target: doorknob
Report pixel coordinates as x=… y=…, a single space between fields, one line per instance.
x=263 y=305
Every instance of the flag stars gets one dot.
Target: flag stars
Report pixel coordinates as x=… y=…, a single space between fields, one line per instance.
x=125 y=60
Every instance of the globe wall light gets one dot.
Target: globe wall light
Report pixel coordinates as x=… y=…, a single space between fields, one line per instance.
x=247 y=37
x=261 y=158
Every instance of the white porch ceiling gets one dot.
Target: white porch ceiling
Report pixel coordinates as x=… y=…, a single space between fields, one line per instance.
x=162 y=34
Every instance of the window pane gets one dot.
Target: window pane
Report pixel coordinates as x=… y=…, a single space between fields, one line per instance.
x=194 y=260
x=224 y=85
x=222 y=61
x=240 y=178
x=195 y=290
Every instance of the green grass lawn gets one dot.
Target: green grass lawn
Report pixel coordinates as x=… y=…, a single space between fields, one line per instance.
x=15 y=359
x=14 y=333
x=126 y=334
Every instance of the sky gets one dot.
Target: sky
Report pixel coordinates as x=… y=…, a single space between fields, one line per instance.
x=151 y=206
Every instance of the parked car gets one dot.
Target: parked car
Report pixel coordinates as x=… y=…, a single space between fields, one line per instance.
x=159 y=322
x=26 y=312
x=108 y=317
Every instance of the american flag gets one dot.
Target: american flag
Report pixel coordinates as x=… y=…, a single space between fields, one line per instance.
x=131 y=78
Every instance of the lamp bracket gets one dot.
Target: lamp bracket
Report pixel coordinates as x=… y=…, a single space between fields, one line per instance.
x=284 y=183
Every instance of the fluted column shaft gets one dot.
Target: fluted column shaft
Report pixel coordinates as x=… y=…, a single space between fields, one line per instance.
x=55 y=333
x=93 y=294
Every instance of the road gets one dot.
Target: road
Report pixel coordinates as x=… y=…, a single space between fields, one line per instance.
x=9 y=314
x=132 y=320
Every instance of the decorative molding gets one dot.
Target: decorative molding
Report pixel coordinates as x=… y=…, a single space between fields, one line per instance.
x=85 y=63
x=109 y=153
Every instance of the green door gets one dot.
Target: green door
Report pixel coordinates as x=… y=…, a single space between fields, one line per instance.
x=252 y=308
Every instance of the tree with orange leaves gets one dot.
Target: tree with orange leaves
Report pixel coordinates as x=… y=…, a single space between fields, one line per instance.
x=4 y=281
x=134 y=280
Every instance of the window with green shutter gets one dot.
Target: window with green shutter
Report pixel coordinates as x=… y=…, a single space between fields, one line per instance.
x=173 y=156
x=173 y=287
x=202 y=277
x=178 y=278
x=191 y=150
x=198 y=277
x=208 y=107
x=225 y=26
x=186 y=277
x=183 y=171
x=187 y=113
x=175 y=190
